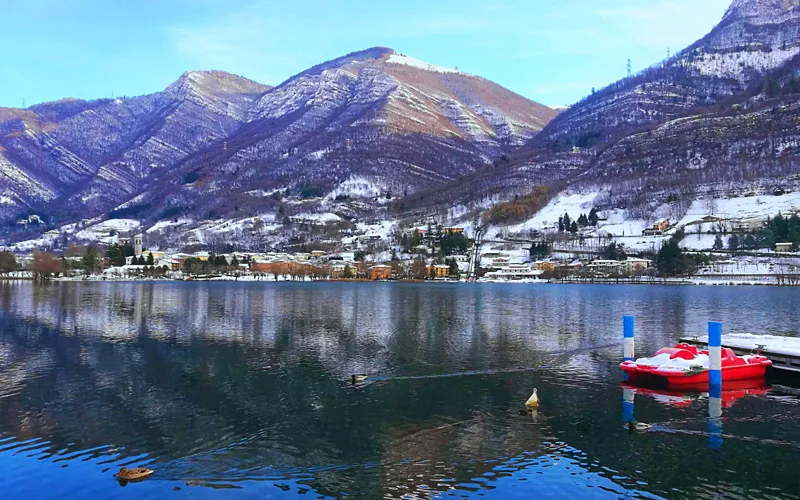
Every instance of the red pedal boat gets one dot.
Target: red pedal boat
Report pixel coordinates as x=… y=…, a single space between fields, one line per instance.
x=684 y=365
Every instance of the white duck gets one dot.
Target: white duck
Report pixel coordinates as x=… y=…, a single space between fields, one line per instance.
x=533 y=402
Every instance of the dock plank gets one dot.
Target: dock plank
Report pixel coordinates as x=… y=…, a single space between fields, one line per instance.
x=783 y=351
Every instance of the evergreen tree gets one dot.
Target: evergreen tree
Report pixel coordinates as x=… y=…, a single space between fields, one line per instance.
x=573 y=228
x=561 y=224
x=583 y=221
x=733 y=243
x=235 y=262
x=614 y=251
x=151 y=261
x=567 y=222
x=539 y=250
x=454 y=270
x=593 y=217
x=749 y=241
x=90 y=261
x=113 y=254
x=766 y=238
x=8 y=262
x=718 y=244
x=141 y=261
x=671 y=261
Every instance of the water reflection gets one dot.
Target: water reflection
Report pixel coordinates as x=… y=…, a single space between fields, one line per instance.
x=227 y=388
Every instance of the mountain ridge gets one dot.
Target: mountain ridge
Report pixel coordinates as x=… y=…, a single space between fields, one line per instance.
x=209 y=137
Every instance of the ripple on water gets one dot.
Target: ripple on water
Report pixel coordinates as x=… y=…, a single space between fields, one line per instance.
x=239 y=390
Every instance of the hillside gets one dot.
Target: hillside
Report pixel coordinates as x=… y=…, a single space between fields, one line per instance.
x=719 y=117
x=368 y=124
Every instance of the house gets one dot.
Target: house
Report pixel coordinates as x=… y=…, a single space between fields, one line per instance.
x=380 y=272
x=457 y=230
x=515 y=272
x=658 y=227
x=545 y=266
x=605 y=266
x=337 y=271
x=439 y=271
x=171 y=264
x=783 y=247
x=203 y=256
x=748 y=224
x=316 y=254
x=634 y=265
x=499 y=262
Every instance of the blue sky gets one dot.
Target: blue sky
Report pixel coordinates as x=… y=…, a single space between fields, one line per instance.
x=552 y=51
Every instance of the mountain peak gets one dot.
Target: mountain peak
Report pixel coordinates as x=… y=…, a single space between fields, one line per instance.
x=371 y=54
x=763 y=11
x=213 y=82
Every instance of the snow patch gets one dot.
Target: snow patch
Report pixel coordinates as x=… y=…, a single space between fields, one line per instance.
x=416 y=63
x=734 y=64
x=743 y=206
x=357 y=187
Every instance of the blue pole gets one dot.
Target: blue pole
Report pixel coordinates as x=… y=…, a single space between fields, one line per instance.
x=628 y=345
x=628 y=329
x=715 y=417
x=715 y=354
x=628 y=396
x=715 y=384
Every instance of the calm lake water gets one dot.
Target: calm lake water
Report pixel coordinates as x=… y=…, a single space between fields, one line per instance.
x=241 y=391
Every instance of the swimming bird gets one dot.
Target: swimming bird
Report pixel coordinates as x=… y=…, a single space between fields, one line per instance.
x=533 y=402
x=358 y=379
x=638 y=426
x=131 y=474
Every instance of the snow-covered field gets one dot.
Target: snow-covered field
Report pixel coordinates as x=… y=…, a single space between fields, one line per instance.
x=574 y=204
x=742 y=207
x=383 y=229
x=628 y=230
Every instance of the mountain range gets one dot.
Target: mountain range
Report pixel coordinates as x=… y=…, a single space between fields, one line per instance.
x=719 y=116
x=378 y=134
x=209 y=143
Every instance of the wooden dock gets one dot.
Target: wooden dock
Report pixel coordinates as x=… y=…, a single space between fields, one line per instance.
x=783 y=351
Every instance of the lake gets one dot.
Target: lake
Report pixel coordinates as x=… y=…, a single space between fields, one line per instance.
x=242 y=390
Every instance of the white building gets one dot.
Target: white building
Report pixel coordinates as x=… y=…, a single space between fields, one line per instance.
x=514 y=272
x=633 y=265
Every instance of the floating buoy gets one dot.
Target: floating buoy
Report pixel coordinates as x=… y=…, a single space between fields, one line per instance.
x=533 y=402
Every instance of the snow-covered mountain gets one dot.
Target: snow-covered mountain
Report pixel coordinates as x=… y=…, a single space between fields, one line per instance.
x=75 y=151
x=719 y=115
x=375 y=118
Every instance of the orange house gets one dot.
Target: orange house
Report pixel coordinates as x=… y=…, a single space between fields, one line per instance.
x=381 y=272
x=439 y=271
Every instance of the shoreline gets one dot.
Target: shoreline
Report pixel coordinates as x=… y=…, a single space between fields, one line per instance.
x=249 y=279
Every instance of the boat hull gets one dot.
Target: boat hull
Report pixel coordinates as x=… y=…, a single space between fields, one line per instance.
x=675 y=378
